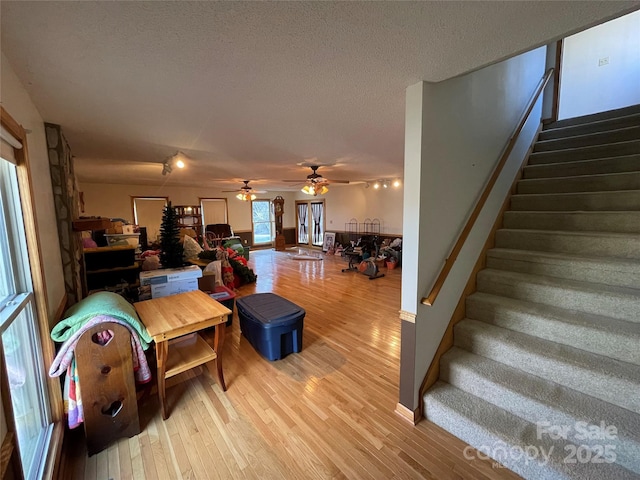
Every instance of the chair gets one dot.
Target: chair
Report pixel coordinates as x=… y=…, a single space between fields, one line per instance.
x=218 y=232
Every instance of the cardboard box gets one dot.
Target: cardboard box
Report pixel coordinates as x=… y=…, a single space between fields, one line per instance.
x=154 y=277
x=127 y=229
x=173 y=288
x=168 y=281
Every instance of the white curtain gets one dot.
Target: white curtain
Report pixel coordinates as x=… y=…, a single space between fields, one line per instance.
x=303 y=236
x=318 y=234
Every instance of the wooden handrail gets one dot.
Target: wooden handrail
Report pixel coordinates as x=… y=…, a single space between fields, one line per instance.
x=448 y=264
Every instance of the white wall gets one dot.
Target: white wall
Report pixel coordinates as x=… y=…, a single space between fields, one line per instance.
x=455 y=138
x=588 y=87
x=18 y=104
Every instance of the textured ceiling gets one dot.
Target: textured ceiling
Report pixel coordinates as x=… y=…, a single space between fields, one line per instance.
x=251 y=89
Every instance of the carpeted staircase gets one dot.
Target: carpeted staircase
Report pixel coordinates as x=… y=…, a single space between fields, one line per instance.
x=548 y=356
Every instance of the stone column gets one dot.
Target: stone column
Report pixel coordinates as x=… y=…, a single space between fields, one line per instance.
x=67 y=200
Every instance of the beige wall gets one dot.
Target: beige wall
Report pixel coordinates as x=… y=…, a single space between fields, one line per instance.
x=341 y=202
x=17 y=102
x=344 y=202
x=115 y=201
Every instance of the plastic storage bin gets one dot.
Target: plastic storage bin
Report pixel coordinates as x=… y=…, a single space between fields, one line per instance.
x=272 y=324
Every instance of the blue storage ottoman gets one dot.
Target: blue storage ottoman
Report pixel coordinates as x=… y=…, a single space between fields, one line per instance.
x=272 y=324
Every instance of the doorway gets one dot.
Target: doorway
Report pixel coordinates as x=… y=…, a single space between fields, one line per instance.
x=310 y=219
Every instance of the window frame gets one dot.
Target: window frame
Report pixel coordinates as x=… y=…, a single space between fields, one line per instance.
x=202 y=200
x=271 y=222
x=39 y=300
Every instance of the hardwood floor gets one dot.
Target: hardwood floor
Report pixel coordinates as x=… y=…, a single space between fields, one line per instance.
x=326 y=412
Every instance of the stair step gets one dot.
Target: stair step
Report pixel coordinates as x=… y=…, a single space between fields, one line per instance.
x=601 y=377
x=617 y=339
x=630 y=147
x=499 y=434
x=590 y=139
x=594 y=117
x=598 y=299
x=593 y=127
x=599 y=244
x=617 y=222
x=609 y=271
x=582 y=183
x=628 y=200
x=544 y=403
x=625 y=163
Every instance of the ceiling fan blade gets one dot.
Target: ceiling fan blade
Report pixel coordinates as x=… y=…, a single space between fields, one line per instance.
x=339 y=181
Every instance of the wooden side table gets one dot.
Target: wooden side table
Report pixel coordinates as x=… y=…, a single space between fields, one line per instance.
x=168 y=319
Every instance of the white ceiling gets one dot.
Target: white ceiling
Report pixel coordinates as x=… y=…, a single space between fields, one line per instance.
x=247 y=90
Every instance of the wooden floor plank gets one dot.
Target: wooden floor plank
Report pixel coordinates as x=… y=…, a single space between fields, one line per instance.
x=324 y=413
x=124 y=454
x=137 y=465
x=113 y=462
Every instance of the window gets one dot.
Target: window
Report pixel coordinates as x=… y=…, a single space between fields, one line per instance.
x=19 y=330
x=214 y=210
x=147 y=212
x=263 y=221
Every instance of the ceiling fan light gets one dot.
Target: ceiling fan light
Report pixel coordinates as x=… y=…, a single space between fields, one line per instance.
x=309 y=190
x=322 y=191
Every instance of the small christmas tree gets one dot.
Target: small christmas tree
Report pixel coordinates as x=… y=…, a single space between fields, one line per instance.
x=171 y=255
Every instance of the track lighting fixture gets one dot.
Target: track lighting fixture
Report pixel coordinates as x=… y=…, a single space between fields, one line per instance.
x=174 y=160
x=384 y=183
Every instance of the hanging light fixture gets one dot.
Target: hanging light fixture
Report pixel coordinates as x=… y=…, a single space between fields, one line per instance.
x=315 y=189
x=246 y=196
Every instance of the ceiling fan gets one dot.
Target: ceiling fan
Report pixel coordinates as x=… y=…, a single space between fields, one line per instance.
x=315 y=183
x=245 y=192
